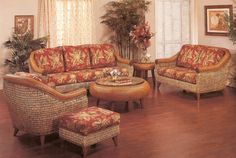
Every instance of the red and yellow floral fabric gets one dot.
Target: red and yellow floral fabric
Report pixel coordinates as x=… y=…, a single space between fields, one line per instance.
x=37 y=77
x=102 y=55
x=88 y=75
x=178 y=73
x=89 y=120
x=193 y=56
x=76 y=57
x=61 y=78
x=50 y=60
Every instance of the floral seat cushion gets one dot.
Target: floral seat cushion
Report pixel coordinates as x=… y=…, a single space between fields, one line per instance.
x=89 y=120
x=194 y=56
x=86 y=75
x=178 y=73
x=102 y=55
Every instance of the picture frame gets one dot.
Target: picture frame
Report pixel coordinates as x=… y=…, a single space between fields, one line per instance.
x=24 y=24
x=215 y=21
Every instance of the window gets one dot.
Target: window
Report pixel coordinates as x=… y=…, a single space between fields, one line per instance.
x=173 y=26
x=67 y=22
x=74 y=22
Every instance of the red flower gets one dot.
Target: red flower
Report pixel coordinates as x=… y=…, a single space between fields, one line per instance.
x=141 y=36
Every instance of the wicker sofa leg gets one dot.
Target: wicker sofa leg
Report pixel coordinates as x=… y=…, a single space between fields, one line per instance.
x=85 y=151
x=198 y=96
x=158 y=85
x=42 y=140
x=15 y=131
x=115 y=140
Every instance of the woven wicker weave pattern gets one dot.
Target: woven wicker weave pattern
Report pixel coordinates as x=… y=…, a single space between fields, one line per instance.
x=206 y=81
x=34 y=111
x=91 y=138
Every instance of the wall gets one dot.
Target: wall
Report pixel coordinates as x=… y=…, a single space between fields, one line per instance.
x=8 y=9
x=221 y=41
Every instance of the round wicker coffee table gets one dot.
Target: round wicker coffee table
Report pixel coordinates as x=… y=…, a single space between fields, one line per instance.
x=114 y=91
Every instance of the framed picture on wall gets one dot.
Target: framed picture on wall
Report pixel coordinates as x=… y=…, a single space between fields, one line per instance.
x=24 y=24
x=215 y=19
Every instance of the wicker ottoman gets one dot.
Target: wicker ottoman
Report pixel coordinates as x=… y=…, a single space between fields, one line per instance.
x=89 y=126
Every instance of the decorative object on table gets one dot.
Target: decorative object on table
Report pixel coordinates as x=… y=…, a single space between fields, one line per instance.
x=21 y=46
x=114 y=74
x=120 y=17
x=215 y=21
x=140 y=36
x=24 y=24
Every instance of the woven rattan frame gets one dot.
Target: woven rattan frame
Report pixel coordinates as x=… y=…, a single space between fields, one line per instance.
x=34 y=110
x=209 y=79
x=90 y=139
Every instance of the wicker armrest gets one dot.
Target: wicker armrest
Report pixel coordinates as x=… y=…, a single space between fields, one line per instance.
x=167 y=60
x=216 y=67
x=33 y=66
x=29 y=82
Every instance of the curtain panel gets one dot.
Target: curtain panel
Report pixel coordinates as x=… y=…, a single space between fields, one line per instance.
x=67 y=22
x=173 y=26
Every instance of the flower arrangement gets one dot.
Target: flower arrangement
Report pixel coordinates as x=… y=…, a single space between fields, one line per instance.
x=141 y=35
x=114 y=74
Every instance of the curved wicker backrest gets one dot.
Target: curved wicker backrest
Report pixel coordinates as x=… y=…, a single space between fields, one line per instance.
x=34 y=107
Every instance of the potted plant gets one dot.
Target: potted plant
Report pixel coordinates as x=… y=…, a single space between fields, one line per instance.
x=120 y=17
x=20 y=49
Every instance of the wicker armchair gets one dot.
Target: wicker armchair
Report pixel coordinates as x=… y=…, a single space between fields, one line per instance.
x=34 y=107
x=196 y=68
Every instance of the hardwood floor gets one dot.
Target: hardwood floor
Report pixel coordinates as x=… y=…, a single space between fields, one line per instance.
x=170 y=126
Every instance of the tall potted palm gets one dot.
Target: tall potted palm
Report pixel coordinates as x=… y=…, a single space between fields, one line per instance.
x=121 y=16
x=20 y=48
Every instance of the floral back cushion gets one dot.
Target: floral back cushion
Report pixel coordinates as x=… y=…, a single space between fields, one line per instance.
x=76 y=57
x=102 y=55
x=50 y=60
x=194 y=56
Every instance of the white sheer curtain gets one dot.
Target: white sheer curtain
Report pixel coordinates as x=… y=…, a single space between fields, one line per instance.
x=67 y=22
x=173 y=26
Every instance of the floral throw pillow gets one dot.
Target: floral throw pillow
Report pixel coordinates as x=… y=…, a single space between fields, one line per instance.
x=102 y=56
x=50 y=60
x=76 y=57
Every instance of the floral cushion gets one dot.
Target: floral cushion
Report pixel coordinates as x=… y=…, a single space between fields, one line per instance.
x=89 y=120
x=193 y=56
x=76 y=57
x=102 y=55
x=88 y=75
x=178 y=73
x=61 y=79
x=50 y=60
x=37 y=77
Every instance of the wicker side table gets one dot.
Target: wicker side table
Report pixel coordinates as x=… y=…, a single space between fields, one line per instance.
x=141 y=70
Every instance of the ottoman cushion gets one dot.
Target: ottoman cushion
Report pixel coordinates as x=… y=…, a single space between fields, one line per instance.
x=89 y=120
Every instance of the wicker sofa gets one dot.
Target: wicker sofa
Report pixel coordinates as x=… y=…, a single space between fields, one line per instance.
x=195 y=68
x=35 y=107
x=69 y=67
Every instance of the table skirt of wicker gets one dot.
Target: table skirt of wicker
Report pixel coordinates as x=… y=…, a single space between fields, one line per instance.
x=89 y=126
